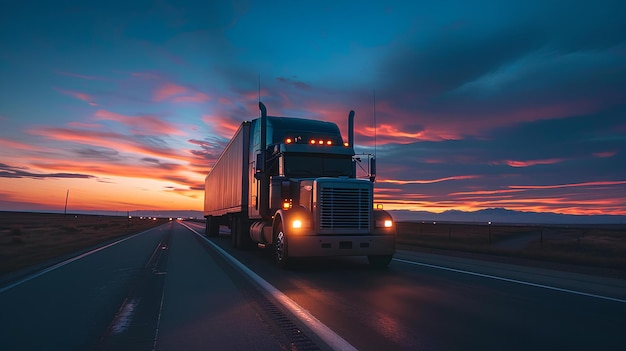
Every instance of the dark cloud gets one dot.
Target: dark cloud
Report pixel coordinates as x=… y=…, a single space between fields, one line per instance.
x=7 y=171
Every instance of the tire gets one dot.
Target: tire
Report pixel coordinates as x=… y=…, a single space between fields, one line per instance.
x=240 y=233
x=379 y=261
x=280 y=247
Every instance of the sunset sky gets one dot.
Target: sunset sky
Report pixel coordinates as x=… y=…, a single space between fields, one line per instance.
x=479 y=104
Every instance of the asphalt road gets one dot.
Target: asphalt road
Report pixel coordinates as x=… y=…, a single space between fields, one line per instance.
x=170 y=289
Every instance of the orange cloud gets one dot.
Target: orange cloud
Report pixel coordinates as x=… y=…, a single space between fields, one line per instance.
x=426 y=181
x=529 y=163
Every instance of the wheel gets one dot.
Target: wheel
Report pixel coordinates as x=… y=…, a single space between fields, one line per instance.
x=240 y=233
x=379 y=261
x=281 y=256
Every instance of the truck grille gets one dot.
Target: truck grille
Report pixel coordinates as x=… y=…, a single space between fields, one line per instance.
x=344 y=208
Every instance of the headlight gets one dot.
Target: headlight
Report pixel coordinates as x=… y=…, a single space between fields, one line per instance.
x=388 y=223
x=296 y=224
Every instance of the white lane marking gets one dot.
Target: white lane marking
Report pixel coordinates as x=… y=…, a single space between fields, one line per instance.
x=61 y=264
x=511 y=280
x=331 y=338
x=125 y=316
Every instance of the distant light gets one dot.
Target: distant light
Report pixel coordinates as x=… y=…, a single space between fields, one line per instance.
x=154 y=219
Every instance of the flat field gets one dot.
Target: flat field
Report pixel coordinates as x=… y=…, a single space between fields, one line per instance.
x=29 y=238
x=585 y=245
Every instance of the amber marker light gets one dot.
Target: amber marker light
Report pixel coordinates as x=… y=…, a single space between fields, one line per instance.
x=286 y=205
x=312 y=141
x=289 y=141
x=330 y=142
x=296 y=224
x=346 y=144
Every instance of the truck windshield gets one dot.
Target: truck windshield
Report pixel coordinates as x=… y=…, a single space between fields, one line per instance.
x=299 y=165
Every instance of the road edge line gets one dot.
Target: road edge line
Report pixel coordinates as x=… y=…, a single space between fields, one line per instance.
x=331 y=338
x=510 y=280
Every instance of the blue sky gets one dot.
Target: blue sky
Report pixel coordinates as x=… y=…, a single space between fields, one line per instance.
x=479 y=104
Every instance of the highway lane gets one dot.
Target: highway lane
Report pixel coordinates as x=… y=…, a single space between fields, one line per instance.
x=167 y=289
x=71 y=305
x=158 y=290
x=426 y=303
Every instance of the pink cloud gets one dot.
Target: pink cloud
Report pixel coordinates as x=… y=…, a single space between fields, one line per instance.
x=573 y=185
x=222 y=126
x=168 y=90
x=146 y=124
x=605 y=154
x=78 y=95
x=12 y=144
x=197 y=97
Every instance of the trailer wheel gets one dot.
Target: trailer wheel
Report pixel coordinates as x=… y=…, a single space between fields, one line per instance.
x=281 y=256
x=379 y=261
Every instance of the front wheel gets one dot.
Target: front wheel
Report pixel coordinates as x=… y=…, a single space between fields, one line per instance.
x=281 y=257
x=379 y=261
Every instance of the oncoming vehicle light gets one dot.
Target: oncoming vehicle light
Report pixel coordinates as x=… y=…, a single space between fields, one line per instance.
x=388 y=223
x=296 y=224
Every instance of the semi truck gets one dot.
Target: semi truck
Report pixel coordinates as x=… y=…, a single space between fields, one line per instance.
x=290 y=185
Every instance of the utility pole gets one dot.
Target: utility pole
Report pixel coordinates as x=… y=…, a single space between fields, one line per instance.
x=66 y=196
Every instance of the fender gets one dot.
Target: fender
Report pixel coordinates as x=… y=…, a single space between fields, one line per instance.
x=380 y=217
x=288 y=217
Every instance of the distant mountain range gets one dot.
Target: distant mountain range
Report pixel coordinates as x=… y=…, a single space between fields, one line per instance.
x=502 y=215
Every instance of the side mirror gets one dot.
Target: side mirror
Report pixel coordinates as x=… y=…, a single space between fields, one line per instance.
x=372 y=169
x=258 y=166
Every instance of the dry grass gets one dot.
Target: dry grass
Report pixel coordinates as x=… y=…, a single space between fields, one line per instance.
x=599 y=246
x=28 y=238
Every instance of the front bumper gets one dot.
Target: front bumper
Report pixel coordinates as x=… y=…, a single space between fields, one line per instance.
x=341 y=245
